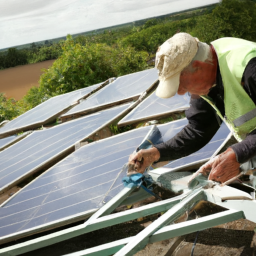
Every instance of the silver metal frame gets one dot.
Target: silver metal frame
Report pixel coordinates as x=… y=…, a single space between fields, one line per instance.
x=159 y=230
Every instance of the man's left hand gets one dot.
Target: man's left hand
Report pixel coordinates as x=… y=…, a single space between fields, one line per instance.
x=222 y=167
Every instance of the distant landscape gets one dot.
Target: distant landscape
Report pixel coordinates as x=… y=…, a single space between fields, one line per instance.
x=92 y=57
x=173 y=16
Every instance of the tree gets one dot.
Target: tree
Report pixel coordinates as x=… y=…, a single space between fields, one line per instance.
x=80 y=66
x=232 y=18
x=8 y=108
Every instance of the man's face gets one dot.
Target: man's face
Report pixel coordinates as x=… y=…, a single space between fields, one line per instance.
x=197 y=79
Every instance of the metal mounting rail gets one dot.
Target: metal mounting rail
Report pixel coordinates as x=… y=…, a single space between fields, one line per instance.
x=99 y=220
x=165 y=233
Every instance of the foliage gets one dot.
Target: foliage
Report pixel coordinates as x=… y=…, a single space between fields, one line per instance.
x=12 y=58
x=232 y=18
x=34 y=97
x=8 y=108
x=116 y=130
x=80 y=66
x=151 y=37
x=87 y=60
x=46 y=52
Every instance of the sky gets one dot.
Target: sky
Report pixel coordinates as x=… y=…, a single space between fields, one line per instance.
x=28 y=21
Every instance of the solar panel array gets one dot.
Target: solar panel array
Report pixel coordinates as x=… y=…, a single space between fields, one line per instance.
x=77 y=184
x=124 y=87
x=46 y=111
x=155 y=107
x=26 y=156
x=91 y=176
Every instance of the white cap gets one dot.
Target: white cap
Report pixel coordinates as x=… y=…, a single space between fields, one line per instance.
x=171 y=58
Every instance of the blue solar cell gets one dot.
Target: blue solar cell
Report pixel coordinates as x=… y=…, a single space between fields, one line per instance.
x=204 y=153
x=77 y=184
x=46 y=111
x=124 y=87
x=4 y=142
x=42 y=146
x=155 y=107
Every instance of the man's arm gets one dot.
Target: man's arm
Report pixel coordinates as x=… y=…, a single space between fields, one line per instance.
x=203 y=124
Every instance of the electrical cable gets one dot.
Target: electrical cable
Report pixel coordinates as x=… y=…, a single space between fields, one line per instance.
x=194 y=245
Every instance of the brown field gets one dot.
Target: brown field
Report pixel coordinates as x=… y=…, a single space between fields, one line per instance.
x=15 y=82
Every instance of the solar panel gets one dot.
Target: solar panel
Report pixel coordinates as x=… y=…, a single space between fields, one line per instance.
x=47 y=111
x=195 y=159
x=155 y=107
x=4 y=142
x=41 y=147
x=75 y=186
x=8 y=141
x=123 y=88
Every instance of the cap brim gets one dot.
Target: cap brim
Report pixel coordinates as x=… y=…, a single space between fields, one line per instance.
x=168 y=88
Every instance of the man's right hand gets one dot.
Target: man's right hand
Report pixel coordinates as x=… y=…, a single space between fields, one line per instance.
x=142 y=159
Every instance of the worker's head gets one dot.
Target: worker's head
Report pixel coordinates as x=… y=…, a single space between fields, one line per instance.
x=185 y=65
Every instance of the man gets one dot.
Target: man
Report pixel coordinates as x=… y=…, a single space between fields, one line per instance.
x=221 y=78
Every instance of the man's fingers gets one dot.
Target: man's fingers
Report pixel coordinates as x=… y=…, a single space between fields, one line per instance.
x=205 y=169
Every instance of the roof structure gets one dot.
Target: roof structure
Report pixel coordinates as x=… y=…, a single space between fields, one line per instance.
x=124 y=88
x=46 y=111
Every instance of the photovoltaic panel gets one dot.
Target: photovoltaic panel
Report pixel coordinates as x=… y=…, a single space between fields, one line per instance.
x=46 y=111
x=4 y=142
x=168 y=131
x=75 y=186
x=40 y=147
x=216 y=143
x=8 y=141
x=204 y=154
x=155 y=107
x=124 y=87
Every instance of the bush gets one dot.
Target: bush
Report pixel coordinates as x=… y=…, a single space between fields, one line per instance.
x=13 y=58
x=150 y=38
x=46 y=52
x=80 y=66
x=232 y=18
x=8 y=108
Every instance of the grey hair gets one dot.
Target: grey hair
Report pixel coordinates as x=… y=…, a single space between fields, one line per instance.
x=203 y=52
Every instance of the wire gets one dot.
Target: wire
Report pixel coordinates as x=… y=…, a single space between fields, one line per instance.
x=194 y=245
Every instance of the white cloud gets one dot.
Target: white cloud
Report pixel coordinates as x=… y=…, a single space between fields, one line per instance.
x=29 y=21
